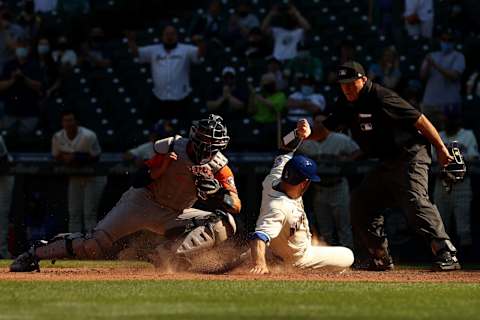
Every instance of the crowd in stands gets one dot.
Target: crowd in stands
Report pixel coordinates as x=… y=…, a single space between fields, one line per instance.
x=260 y=64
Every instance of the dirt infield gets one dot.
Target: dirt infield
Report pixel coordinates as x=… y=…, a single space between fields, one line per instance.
x=147 y=273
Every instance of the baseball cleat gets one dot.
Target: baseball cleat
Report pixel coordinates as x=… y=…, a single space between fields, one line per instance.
x=375 y=264
x=26 y=262
x=446 y=261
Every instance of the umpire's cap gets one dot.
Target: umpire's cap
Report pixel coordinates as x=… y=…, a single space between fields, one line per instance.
x=298 y=169
x=349 y=71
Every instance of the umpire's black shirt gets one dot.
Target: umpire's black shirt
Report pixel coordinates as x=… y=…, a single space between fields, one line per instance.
x=381 y=123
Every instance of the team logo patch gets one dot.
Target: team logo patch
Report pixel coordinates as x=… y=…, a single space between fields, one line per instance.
x=342 y=72
x=231 y=181
x=366 y=126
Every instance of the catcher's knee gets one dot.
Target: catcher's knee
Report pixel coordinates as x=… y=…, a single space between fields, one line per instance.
x=92 y=246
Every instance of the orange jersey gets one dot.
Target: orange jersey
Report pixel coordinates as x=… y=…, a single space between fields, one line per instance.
x=224 y=175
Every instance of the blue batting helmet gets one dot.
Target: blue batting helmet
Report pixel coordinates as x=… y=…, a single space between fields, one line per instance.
x=298 y=169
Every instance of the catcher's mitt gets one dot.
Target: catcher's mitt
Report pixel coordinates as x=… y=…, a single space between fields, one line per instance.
x=455 y=171
x=207 y=187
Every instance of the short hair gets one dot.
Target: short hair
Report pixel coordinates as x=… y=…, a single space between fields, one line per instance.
x=67 y=112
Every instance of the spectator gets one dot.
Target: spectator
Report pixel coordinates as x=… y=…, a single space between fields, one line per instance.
x=243 y=20
x=257 y=46
x=331 y=195
x=289 y=34
x=49 y=68
x=304 y=103
x=305 y=64
x=473 y=83
x=211 y=25
x=346 y=52
x=267 y=105
x=64 y=54
x=418 y=17
x=45 y=6
x=21 y=89
x=138 y=155
x=95 y=52
x=9 y=34
x=75 y=146
x=29 y=20
x=274 y=66
x=455 y=205
x=413 y=93
x=387 y=70
x=442 y=71
x=170 y=63
x=230 y=99
x=73 y=7
x=6 y=191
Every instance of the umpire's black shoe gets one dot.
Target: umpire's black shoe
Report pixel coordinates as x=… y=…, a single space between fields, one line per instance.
x=26 y=262
x=446 y=261
x=373 y=264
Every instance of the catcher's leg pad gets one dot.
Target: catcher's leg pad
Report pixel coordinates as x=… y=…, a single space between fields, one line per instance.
x=76 y=245
x=206 y=236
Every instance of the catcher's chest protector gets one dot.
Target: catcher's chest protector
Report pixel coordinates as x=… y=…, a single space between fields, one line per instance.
x=176 y=188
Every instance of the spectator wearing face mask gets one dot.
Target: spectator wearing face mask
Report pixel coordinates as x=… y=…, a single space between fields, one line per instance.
x=275 y=67
x=21 y=89
x=267 y=104
x=45 y=6
x=49 y=68
x=229 y=99
x=289 y=33
x=64 y=54
x=170 y=64
x=387 y=70
x=29 y=20
x=257 y=47
x=442 y=71
x=305 y=63
x=243 y=20
x=304 y=103
x=94 y=51
x=9 y=34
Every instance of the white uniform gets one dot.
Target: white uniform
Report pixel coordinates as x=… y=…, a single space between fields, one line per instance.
x=284 y=222
x=170 y=70
x=144 y=151
x=6 y=189
x=84 y=192
x=456 y=205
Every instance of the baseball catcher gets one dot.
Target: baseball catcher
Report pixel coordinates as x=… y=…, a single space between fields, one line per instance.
x=160 y=200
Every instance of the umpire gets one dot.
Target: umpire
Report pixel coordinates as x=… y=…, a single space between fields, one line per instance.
x=388 y=128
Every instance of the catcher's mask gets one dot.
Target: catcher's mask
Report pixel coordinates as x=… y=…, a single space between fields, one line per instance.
x=455 y=171
x=208 y=136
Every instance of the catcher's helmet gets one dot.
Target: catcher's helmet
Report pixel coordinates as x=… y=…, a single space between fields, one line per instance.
x=208 y=136
x=298 y=169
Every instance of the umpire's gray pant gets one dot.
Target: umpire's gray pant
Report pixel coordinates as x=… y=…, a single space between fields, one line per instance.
x=456 y=206
x=6 y=190
x=401 y=183
x=331 y=212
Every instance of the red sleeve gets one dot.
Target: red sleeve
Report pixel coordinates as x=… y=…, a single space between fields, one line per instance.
x=156 y=161
x=225 y=177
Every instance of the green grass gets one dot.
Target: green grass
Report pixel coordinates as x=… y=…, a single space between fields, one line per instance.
x=237 y=300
